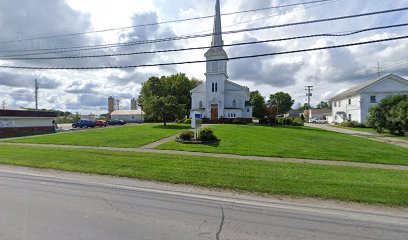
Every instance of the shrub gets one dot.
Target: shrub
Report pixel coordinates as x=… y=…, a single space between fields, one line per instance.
x=298 y=122
x=238 y=121
x=263 y=120
x=285 y=121
x=391 y=113
x=186 y=135
x=206 y=134
x=187 y=121
x=351 y=124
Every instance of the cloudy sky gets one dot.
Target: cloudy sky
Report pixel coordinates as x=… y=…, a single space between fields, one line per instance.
x=86 y=91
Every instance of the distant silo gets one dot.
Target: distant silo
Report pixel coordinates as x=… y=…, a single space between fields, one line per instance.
x=111 y=104
x=133 y=104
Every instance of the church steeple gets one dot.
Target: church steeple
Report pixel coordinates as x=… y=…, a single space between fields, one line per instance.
x=216 y=56
x=217 y=31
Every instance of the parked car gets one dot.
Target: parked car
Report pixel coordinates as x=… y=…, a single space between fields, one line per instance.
x=101 y=124
x=318 y=120
x=84 y=124
x=116 y=122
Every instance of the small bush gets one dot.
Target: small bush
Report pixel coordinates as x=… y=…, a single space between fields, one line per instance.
x=351 y=124
x=186 y=135
x=238 y=121
x=263 y=120
x=285 y=121
x=298 y=122
x=187 y=121
x=206 y=134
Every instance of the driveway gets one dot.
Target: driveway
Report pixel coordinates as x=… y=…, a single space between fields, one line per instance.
x=371 y=136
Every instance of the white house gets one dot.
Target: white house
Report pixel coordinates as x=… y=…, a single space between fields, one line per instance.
x=354 y=103
x=129 y=116
x=218 y=97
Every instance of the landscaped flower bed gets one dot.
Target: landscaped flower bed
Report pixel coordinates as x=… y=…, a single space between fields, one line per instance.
x=205 y=136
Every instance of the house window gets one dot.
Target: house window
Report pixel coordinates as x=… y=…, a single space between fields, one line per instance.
x=201 y=104
x=234 y=103
x=349 y=101
x=248 y=110
x=373 y=99
x=216 y=87
x=339 y=104
x=334 y=104
x=349 y=117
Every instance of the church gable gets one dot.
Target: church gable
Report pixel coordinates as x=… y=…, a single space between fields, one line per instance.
x=233 y=86
x=199 y=89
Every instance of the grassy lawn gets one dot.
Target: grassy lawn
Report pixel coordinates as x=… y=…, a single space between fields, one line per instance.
x=297 y=142
x=126 y=137
x=297 y=180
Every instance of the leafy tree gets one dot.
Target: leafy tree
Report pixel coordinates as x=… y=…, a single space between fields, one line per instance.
x=282 y=101
x=323 y=104
x=304 y=107
x=163 y=109
x=258 y=104
x=175 y=87
x=390 y=113
x=271 y=113
x=76 y=117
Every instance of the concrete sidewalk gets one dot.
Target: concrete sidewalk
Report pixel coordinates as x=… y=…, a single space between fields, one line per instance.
x=217 y=155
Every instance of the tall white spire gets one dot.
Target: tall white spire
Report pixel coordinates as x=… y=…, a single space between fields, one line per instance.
x=217 y=31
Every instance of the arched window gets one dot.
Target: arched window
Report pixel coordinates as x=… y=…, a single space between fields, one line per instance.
x=200 y=104
x=234 y=103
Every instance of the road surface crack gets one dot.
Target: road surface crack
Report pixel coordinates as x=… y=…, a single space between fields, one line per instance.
x=217 y=235
x=110 y=204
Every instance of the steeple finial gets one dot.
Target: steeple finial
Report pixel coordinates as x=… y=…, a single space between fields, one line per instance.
x=217 y=32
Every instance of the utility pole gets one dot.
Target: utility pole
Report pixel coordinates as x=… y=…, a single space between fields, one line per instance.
x=309 y=94
x=4 y=105
x=378 y=69
x=36 y=94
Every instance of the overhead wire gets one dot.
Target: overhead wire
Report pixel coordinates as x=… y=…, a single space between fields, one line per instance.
x=106 y=46
x=203 y=61
x=165 y=22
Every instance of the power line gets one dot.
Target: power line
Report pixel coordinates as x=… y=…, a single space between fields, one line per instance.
x=114 y=45
x=324 y=86
x=164 y=22
x=203 y=61
x=205 y=47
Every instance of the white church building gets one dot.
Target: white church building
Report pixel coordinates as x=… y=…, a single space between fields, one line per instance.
x=219 y=97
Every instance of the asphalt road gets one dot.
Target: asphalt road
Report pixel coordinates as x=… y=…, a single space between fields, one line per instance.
x=50 y=208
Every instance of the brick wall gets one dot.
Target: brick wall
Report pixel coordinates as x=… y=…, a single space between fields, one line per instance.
x=26 y=131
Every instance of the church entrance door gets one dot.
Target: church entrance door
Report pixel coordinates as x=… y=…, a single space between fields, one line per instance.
x=214 y=111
